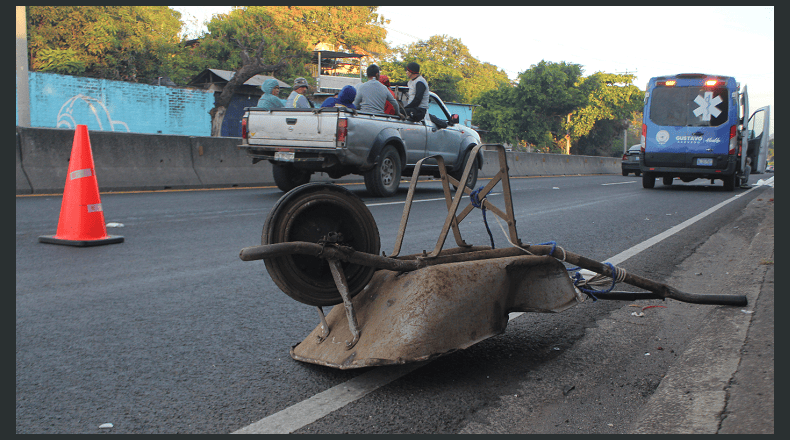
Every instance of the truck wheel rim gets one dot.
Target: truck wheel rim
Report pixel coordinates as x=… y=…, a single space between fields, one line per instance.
x=387 y=171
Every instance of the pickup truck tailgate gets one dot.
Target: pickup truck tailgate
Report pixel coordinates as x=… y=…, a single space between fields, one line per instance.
x=293 y=128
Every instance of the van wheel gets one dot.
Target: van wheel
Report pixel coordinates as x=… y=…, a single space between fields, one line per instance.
x=648 y=181
x=383 y=180
x=730 y=182
x=287 y=177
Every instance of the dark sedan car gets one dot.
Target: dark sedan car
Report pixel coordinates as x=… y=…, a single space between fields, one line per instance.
x=631 y=161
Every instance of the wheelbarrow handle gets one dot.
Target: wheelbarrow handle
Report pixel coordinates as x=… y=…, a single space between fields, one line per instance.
x=659 y=290
x=696 y=298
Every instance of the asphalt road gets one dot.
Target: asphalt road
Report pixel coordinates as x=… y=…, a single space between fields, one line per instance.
x=170 y=332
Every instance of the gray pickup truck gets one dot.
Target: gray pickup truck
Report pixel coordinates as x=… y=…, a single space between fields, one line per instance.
x=341 y=141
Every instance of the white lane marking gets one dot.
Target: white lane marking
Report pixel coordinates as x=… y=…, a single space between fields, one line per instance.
x=324 y=403
x=630 y=252
x=618 y=183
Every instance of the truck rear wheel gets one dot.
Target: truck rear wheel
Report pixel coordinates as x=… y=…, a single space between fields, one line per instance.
x=383 y=180
x=287 y=177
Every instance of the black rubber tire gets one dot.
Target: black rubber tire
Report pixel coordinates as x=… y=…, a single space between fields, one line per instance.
x=308 y=213
x=625 y=173
x=287 y=177
x=730 y=182
x=667 y=180
x=384 y=178
x=648 y=181
x=637 y=173
x=471 y=181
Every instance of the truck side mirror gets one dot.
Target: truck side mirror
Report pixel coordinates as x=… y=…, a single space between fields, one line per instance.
x=453 y=119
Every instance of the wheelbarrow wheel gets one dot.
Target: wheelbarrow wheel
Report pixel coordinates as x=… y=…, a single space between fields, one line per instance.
x=312 y=213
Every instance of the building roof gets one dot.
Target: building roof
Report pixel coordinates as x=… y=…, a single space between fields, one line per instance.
x=325 y=54
x=214 y=76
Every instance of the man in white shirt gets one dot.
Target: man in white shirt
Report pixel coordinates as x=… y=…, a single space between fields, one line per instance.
x=419 y=93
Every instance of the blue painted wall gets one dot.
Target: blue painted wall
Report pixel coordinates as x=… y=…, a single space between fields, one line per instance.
x=464 y=111
x=63 y=101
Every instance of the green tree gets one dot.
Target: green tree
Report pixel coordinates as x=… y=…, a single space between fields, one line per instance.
x=553 y=106
x=250 y=41
x=131 y=43
x=498 y=116
x=356 y=29
x=448 y=66
x=613 y=101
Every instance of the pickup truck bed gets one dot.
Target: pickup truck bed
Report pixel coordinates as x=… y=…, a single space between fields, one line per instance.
x=341 y=141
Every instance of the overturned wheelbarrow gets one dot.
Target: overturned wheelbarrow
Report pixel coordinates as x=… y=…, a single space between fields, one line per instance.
x=320 y=245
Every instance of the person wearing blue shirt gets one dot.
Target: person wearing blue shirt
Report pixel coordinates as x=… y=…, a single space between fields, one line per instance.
x=344 y=99
x=269 y=99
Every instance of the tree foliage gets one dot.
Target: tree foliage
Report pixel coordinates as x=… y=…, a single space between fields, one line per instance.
x=130 y=43
x=249 y=41
x=356 y=29
x=554 y=106
x=244 y=29
x=448 y=66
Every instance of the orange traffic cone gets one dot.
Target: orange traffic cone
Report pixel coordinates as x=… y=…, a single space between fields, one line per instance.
x=81 y=221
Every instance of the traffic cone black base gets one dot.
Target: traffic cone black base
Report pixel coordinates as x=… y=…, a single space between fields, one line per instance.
x=111 y=239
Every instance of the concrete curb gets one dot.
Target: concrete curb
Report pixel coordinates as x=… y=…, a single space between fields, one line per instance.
x=693 y=396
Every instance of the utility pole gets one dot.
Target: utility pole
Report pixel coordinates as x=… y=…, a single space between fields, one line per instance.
x=22 y=85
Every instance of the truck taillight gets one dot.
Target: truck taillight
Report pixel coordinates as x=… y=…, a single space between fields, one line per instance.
x=244 y=128
x=733 y=139
x=342 y=129
x=644 y=137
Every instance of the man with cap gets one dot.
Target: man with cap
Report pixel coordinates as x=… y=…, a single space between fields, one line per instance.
x=419 y=93
x=297 y=99
x=372 y=95
x=269 y=99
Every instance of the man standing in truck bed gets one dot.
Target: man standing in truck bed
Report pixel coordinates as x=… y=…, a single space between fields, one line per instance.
x=372 y=95
x=419 y=94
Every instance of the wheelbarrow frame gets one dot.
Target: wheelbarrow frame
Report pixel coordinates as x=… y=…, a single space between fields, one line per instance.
x=335 y=253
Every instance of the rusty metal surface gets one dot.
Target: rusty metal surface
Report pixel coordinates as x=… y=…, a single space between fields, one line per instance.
x=414 y=316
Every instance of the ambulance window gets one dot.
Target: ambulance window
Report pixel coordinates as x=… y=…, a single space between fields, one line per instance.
x=689 y=106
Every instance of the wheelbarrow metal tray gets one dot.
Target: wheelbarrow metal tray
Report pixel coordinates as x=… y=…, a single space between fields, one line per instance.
x=426 y=313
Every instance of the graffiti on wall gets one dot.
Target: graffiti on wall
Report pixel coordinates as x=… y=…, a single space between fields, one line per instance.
x=79 y=107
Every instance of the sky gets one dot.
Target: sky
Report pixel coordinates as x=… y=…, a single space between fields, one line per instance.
x=646 y=41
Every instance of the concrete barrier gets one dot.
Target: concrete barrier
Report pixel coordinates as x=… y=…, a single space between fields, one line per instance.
x=134 y=161
x=219 y=162
x=123 y=161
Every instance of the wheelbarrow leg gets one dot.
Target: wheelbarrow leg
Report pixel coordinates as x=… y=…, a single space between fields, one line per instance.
x=342 y=287
x=324 y=326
